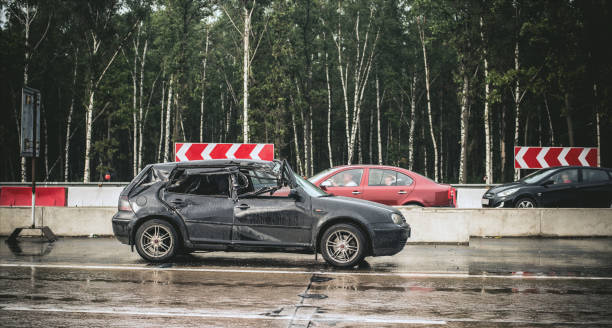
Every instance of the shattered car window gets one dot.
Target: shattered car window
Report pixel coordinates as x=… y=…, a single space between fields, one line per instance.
x=201 y=184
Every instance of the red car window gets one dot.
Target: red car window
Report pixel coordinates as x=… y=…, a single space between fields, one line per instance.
x=348 y=178
x=381 y=177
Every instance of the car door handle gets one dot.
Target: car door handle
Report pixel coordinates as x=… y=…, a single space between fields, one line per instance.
x=243 y=206
x=177 y=201
x=356 y=192
x=401 y=192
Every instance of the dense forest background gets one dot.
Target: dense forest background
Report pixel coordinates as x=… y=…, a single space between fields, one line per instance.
x=446 y=88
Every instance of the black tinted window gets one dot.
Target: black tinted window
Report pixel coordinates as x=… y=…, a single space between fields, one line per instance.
x=565 y=176
x=204 y=185
x=590 y=175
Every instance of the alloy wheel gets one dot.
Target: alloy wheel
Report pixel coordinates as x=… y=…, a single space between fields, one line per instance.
x=156 y=241
x=342 y=246
x=525 y=203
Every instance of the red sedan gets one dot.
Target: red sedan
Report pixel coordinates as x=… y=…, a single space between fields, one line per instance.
x=385 y=184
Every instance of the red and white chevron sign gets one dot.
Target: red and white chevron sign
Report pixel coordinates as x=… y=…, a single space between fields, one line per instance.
x=542 y=157
x=184 y=151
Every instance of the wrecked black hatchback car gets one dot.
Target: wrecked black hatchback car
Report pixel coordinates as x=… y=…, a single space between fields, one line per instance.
x=245 y=205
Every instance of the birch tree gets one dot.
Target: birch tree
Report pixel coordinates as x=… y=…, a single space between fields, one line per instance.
x=203 y=87
x=361 y=66
x=329 y=105
x=70 y=112
x=26 y=12
x=247 y=58
x=420 y=23
x=99 y=60
x=487 y=127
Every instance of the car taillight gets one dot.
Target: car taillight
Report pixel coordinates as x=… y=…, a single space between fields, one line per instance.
x=124 y=204
x=452 y=196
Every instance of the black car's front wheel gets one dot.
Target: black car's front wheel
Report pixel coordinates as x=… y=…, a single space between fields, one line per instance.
x=525 y=203
x=343 y=245
x=156 y=241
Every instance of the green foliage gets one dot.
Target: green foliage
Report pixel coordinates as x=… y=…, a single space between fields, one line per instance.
x=563 y=55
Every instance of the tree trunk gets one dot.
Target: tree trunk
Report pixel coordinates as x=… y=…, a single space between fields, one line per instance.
x=297 y=146
x=380 y=161
x=140 y=112
x=502 y=142
x=203 y=84
x=550 y=125
x=488 y=158
x=311 y=160
x=46 y=140
x=69 y=120
x=464 y=125
x=134 y=105
x=245 y=75
x=88 y=130
x=429 y=115
x=412 y=122
x=517 y=104
x=329 y=110
x=161 y=122
x=568 y=119
x=168 y=116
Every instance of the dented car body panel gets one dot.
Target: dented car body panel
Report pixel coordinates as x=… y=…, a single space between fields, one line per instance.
x=244 y=205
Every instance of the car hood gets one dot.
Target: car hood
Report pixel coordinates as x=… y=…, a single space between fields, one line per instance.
x=348 y=201
x=503 y=187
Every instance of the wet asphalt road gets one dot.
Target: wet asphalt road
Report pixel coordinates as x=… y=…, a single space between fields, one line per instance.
x=493 y=282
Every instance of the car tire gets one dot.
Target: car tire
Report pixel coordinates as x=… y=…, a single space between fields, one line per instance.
x=343 y=245
x=525 y=202
x=156 y=241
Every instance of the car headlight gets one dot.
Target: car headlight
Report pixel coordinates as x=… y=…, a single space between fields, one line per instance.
x=397 y=219
x=508 y=192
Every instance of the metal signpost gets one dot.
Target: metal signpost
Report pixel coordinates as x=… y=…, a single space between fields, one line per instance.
x=30 y=147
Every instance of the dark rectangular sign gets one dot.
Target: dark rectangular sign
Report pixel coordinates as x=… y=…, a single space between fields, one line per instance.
x=30 y=129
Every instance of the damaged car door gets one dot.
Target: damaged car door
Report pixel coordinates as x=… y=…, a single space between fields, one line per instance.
x=203 y=200
x=269 y=213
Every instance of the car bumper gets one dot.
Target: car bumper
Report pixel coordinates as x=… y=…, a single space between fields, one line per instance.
x=122 y=227
x=389 y=239
x=497 y=202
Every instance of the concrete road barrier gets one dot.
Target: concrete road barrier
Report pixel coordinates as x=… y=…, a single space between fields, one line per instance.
x=64 y=221
x=470 y=197
x=93 y=196
x=429 y=225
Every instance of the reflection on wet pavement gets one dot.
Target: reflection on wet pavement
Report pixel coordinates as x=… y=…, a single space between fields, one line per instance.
x=493 y=282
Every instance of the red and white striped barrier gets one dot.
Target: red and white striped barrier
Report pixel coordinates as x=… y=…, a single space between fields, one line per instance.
x=542 y=157
x=206 y=151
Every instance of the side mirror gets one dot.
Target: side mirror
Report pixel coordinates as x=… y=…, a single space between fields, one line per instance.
x=293 y=193
x=548 y=183
x=323 y=187
x=326 y=183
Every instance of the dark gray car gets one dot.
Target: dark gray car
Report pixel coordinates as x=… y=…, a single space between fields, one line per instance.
x=244 y=205
x=566 y=186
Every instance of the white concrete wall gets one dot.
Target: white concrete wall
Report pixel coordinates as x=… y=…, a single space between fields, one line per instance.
x=64 y=221
x=433 y=225
x=469 y=197
x=93 y=196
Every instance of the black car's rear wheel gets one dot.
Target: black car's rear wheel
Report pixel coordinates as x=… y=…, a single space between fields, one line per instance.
x=525 y=203
x=343 y=245
x=156 y=241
